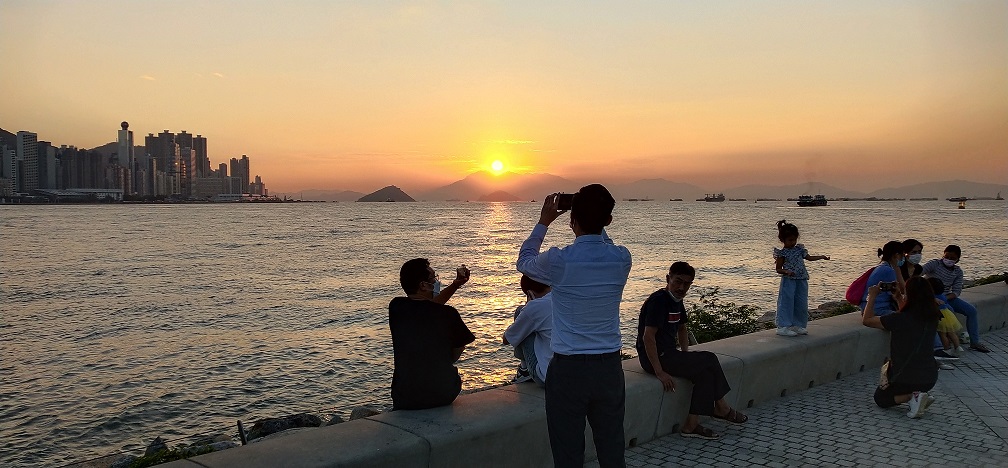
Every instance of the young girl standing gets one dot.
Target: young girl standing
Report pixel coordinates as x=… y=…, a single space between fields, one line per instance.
x=792 y=297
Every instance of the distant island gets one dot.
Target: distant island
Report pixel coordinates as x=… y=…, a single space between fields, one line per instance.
x=387 y=194
x=499 y=196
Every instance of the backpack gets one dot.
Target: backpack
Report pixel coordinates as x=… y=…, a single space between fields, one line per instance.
x=856 y=290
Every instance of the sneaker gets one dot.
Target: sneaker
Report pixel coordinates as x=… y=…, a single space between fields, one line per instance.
x=523 y=375
x=964 y=338
x=918 y=403
x=942 y=355
x=959 y=349
x=800 y=330
x=945 y=366
x=979 y=347
x=784 y=331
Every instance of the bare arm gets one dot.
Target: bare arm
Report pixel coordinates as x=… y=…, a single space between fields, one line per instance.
x=651 y=348
x=869 y=319
x=683 y=336
x=461 y=277
x=813 y=258
x=780 y=268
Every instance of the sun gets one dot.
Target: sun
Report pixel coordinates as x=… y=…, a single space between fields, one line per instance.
x=497 y=166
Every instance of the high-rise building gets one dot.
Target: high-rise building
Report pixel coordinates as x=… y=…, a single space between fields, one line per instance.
x=47 y=165
x=222 y=170
x=127 y=157
x=202 y=159
x=240 y=170
x=27 y=159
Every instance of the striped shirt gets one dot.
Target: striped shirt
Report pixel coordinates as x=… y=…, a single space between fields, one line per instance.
x=952 y=278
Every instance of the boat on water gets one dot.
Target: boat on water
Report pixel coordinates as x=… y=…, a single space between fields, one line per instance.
x=809 y=200
x=713 y=197
x=958 y=199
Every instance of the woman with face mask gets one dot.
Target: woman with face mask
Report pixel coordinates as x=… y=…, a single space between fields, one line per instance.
x=912 y=250
x=888 y=277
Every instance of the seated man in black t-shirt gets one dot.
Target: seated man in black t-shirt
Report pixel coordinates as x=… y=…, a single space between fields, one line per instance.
x=662 y=323
x=427 y=338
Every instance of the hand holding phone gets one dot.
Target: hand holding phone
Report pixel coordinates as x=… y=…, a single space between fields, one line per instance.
x=564 y=201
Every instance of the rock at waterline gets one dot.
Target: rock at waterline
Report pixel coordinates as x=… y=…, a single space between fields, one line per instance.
x=156 y=446
x=268 y=426
x=363 y=412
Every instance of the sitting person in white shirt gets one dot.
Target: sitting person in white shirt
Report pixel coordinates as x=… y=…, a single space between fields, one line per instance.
x=531 y=332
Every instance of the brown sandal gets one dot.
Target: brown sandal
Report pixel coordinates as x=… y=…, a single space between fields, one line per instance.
x=732 y=416
x=700 y=432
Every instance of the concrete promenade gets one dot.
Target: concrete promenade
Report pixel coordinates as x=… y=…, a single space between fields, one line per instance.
x=838 y=424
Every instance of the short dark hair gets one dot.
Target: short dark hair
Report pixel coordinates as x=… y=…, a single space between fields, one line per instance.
x=909 y=244
x=592 y=208
x=682 y=268
x=954 y=249
x=529 y=284
x=412 y=273
x=786 y=229
x=936 y=285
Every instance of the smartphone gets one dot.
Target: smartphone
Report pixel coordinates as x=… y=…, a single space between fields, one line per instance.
x=887 y=286
x=564 y=201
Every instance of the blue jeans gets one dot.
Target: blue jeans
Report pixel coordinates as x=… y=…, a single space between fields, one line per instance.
x=972 y=323
x=792 y=303
x=528 y=355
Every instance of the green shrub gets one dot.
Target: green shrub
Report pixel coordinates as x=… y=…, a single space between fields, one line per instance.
x=710 y=319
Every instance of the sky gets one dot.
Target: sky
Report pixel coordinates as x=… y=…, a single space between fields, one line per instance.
x=358 y=95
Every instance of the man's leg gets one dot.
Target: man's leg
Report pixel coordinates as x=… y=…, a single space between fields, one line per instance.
x=972 y=323
x=530 y=359
x=566 y=407
x=606 y=411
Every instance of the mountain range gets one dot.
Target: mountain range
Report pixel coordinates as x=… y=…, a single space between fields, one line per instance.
x=535 y=186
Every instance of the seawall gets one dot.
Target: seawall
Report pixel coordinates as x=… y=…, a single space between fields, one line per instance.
x=507 y=426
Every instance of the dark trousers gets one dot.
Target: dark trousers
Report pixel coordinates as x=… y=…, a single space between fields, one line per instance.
x=703 y=369
x=886 y=397
x=579 y=387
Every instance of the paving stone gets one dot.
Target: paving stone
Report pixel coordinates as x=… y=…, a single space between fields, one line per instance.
x=827 y=425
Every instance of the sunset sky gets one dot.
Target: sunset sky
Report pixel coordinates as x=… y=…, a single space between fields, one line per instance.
x=358 y=95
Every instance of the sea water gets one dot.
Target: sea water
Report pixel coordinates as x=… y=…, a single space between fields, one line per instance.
x=121 y=323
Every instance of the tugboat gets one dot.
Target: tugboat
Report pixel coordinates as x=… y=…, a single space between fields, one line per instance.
x=809 y=200
x=715 y=197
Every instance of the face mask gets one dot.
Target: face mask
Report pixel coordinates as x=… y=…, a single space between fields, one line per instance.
x=901 y=262
x=437 y=287
x=915 y=259
x=948 y=263
x=674 y=298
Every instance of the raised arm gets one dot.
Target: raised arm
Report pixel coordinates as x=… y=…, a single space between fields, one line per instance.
x=461 y=277
x=530 y=262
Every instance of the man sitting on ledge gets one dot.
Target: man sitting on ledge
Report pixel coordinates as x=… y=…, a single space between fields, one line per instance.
x=427 y=338
x=662 y=322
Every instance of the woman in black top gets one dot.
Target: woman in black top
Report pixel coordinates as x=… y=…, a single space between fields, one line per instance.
x=912 y=367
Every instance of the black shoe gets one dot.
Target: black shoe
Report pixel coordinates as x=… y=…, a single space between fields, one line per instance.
x=942 y=355
x=979 y=347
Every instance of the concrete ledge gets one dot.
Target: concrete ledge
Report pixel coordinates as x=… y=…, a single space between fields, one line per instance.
x=507 y=426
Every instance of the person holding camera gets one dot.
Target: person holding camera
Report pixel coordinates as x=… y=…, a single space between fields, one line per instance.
x=428 y=337
x=912 y=370
x=587 y=279
x=888 y=278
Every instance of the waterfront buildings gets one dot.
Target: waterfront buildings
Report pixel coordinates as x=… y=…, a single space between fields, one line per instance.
x=169 y=165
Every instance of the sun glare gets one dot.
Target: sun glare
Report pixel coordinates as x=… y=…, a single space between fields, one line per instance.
x=497 y=166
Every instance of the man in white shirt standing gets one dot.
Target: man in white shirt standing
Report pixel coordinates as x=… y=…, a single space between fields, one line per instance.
x=531 y=332
x=586 y=374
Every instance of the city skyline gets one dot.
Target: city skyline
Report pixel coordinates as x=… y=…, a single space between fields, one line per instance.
x=418 y=94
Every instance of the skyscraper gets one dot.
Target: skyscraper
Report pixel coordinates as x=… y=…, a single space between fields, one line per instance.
x=202 y=159
x=127 y=157
x=27 y=159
